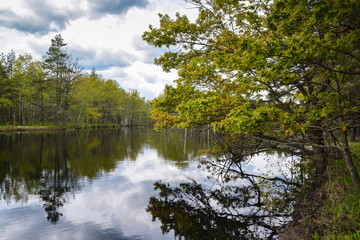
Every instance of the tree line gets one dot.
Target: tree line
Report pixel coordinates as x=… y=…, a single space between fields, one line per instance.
x=277 y=74
x=56 y=91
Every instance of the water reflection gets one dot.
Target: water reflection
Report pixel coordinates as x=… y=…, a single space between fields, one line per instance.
x=97 y=184
x=240 y=204
x=225 y=211
x=54 y=166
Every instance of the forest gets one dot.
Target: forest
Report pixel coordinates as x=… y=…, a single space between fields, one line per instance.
x=58 y=92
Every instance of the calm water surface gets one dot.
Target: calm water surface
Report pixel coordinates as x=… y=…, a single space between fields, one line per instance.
x=99 y=184
x=88 y=184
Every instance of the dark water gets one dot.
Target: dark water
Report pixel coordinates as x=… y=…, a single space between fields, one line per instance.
x=99 y=184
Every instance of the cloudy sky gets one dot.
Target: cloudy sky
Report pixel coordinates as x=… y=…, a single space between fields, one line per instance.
x=105 y=34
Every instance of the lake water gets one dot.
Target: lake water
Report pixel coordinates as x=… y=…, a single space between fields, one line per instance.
x=99 y=184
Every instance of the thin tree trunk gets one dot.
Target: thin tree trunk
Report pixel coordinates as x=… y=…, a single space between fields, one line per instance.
x=185 y=138
x=22 y=113
x=350 y=164
x=42 y=110
x=57 y=115
x=14 y=118
x=352 y=134
x=345 y=145
x=82 y=104
x=320 y=159
x=77 y=122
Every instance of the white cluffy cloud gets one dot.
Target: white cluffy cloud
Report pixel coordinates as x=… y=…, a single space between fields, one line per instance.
x=105 y=35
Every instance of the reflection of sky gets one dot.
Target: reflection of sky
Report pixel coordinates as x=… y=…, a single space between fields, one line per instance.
x=111 y=207
x=263 y=163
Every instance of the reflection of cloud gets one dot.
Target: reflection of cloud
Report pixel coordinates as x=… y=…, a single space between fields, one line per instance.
x=120 y=199
x=32 y=220
x=150 y=168
x=263 y=163
x=111 y=207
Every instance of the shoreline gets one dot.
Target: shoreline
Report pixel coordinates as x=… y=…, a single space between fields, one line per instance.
x=330 y=210
x=51 y=128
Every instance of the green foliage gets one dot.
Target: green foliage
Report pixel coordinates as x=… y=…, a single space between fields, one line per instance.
x=56 y=92
x=281 y=71
x=234 y=51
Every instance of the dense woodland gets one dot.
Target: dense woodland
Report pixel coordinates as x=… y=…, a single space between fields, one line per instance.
x=56 y=91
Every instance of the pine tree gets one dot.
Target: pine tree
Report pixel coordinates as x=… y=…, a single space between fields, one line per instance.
x=62 y=71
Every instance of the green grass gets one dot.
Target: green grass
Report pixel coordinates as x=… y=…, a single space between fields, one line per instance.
x=350 y=236
x=355 y=148
x=340 y=215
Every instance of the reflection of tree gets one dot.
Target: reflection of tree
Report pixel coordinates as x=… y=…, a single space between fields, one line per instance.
x=53 y=198
x=52 y=165
x=177 y=145
x=226 y=212
x=239 y=206
x=58 y=183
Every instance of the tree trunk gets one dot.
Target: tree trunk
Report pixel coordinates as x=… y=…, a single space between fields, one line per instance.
x=77 y=122
x=14 y=118
x=350 y=164
x=352 y=134
x=22 y=113
x=320 y=165
x=42 y=111
x=345 y=145
x=319 y=158
x=20 y=122
x=57 y=115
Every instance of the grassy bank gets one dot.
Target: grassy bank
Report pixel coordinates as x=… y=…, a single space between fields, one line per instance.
x=33 y=128
x=9 y=128
x=339 y=217
x=331 y=212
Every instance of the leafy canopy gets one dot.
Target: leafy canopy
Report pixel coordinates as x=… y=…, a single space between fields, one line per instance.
x=255 y=66
x=280 y=71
